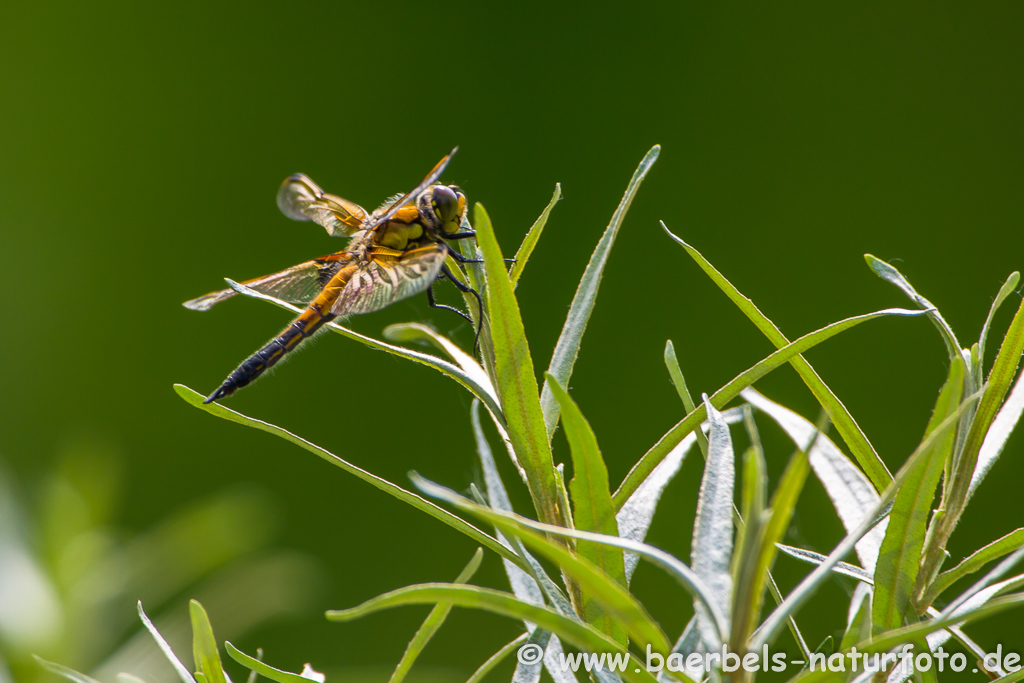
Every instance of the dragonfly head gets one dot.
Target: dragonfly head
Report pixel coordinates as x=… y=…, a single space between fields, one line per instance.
x=448 y=205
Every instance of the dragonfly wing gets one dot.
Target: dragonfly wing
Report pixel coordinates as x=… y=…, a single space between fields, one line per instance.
x=297 y=285
x=432 y=177
x=380 y=284
x=302 y=200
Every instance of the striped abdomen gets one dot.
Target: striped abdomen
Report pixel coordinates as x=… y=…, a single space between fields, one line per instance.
x=312 y=319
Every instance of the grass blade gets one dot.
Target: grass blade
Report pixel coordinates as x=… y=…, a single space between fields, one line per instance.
x=1004 y=292
x=514 y=376
x=66 y=672
x=851 y=493
x=847 y=427
x=592 y=503
x=439 y=513
x=204 y=645
x=754 y=583
x=530 y=241
x=577 y=634
x=843 y=568
x=799 y=595
x=636 y=514
x=568 y=345
x=432 y=623
x=684 y=394
x=900 y=556
x=895 y=277
x=612 y=597
x=978 y=559
x=497 y=658
x=262 y=669
x=999 y=379
x=997 y=435
x=483 y=392
x=712 y=528
x=179 y=668
x=642 y=469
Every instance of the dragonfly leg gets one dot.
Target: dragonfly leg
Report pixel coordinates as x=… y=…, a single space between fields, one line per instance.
x=433 y=304
x=466 y=289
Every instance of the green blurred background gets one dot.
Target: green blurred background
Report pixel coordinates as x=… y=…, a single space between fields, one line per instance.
x=141 y=145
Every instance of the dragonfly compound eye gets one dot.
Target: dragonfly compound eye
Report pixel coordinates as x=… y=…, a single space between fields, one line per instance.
x=445 y=204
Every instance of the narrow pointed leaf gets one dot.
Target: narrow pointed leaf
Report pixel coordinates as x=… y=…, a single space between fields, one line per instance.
x=712 y=528
x=684 y=393
x=1004 y=291
x=265 y=670
x=514 y=376
x=978 y=559
x=635 y=517
x=179 y=668
x=61 y=670
x=579 y=635
x=787 y=353
x=483 y=392
x=847 y=427
x=478 y=536
x=568 y=345
x=530 y=241
x=998 y=433
x=895 y=277
x=204 y=645
x=999 y=380
x=799 y=595
x=592 y=503
x=497 y=658
x=851 y=493
x=612 y=597
x=900 y=556
x=843 y=568
x=432 y=623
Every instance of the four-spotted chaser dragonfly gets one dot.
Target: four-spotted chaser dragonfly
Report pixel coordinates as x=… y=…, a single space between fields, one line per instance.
x=394 y=252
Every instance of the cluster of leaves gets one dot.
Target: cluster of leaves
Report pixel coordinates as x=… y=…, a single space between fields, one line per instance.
x=594 y=534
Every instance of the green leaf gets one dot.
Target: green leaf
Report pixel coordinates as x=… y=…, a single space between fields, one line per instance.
x=432 y=623
x=179 y=668
x=893 y=276
x=592 y=504
x=753 y=583
x=1004 y=292
x=64 y=671
x=204 y=645
x=842 y=568
x=497 y=658
x=568 y=346
x=799 y=595
x=858 y=623
x=612 y=597
x=787 y=353
x=530 y=241
x=998 y=434
x=900 y=556
x=999 y=380
x=684 y=394
x=978 y=559
x=712 y=527
x=514 y=376
x=195 y=399
x=483 y=392
x=846 y=426
x=851 y=493
x=262 y=669
x=577 y=634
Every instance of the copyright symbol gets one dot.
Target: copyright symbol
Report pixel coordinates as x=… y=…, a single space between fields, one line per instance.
x=531 y=653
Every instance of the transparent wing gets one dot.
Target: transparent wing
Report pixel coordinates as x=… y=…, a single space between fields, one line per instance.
x=431 y=178
x=378 y=284
x=302 y=200
x=298 y=285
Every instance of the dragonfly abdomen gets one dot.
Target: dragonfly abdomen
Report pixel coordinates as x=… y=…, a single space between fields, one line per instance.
x=255 y=365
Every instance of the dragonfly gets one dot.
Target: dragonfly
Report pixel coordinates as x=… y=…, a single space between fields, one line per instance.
x=393 y=253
